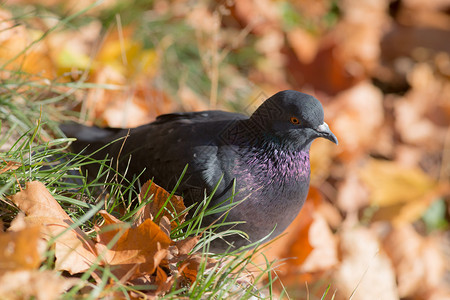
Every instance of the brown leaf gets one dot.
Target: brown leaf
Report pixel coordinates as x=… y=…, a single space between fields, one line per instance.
x=304 y=44
x=74 y=251
x=364 y=272
x=189 y=268
x=349 y=120
x=324 y=254
x=39 y=285
x=159 y=199
x=261 y=16
x=163 y=282
x=145 y=245
x=419 y=261
x=20 y=250
x=185 y=246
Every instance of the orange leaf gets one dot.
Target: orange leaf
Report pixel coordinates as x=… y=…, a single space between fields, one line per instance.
x=160 y=196
x=189 y=268
x=74 y=252
x=145 y=245
x=19 y=249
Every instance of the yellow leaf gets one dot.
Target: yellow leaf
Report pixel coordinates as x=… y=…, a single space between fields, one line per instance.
x=402 y=194
x=68 y=60
x=391 y=184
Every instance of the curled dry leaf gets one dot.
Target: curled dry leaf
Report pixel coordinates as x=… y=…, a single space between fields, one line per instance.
x=74 y=251
x=184 y=265
x=159 y=198
x=145 y=246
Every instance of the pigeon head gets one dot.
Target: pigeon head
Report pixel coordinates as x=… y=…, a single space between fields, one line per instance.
x=292 y=119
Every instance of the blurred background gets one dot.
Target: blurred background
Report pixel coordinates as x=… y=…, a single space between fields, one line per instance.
x=376 y=223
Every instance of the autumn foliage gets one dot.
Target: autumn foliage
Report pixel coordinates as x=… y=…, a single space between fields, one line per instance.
x=375 y=225
x=136 y=253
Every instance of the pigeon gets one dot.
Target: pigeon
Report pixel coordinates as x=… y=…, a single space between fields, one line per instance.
x=259 y=162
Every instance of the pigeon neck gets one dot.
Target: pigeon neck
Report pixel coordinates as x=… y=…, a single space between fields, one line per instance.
x=275 y=163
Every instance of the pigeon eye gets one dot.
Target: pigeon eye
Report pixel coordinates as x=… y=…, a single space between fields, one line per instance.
x=295 y=120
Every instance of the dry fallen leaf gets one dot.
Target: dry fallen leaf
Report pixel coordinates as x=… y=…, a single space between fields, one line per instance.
x=189 y=267
x=419 y=262
x=355 y=128
x=304 y=44
x=364 y=272
x=403 y=194
x=359 y=32
x=14 y=37
x=144 y=246
x=74 y=251
x=352 y=194
x=39 y=285
x=185 y=246
x=159 y=197
x=20 y=250
x=324 y=254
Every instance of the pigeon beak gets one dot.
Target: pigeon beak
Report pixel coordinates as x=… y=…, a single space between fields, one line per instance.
x=325 y=132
